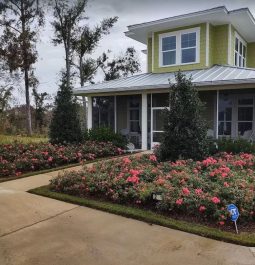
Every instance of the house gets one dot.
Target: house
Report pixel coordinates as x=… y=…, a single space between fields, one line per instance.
x=215 y=46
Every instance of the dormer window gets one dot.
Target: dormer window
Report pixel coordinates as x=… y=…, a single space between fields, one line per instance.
x=240 y=51
x=178 y=48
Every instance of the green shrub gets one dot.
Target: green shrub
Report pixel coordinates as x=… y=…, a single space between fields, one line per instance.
x=184 y=129
x=105 y=134
x=234 y=146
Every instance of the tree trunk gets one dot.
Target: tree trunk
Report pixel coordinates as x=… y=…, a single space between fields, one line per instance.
x=28 y=109
x=83 y=98
x=25 y=59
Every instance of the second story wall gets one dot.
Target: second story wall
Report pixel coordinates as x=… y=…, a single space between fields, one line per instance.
x=217 y=45
x=156 y=68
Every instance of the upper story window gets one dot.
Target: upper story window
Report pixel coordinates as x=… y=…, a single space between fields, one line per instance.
x=240 y=51
x=181 y=47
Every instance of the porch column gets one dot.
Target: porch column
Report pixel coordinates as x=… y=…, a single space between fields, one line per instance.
x=89 y=120
x=85 y=112
x=144 y=121
x=217 y=115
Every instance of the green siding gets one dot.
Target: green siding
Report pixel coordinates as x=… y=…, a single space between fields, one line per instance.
x=220 y=45
x=149 y=55
x=200 y=65
x=251 y=55
x=211 y=44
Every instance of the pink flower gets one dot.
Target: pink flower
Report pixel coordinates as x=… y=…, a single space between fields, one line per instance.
x=226 y=184
x=185 y=191
x=133 y=179
x=202 y=208
x=134 y=172
x=153 y=158
x=50 y=159
x=126 y=160
x=198 y=191
x=221 y=223
x=179 y=201
x=215 y=200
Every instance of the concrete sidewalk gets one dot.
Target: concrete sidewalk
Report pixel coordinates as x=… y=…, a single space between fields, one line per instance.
x=40 y=231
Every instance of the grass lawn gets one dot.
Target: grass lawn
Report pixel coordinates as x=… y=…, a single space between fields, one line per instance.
x=245 y=239
x=9 y=139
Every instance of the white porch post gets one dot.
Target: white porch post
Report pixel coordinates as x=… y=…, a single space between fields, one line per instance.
x=89 y=121
x=217 y=116
x=85 y=112
x=144 y=121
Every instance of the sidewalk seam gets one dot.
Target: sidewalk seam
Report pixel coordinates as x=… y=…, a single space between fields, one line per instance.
x=46 y=219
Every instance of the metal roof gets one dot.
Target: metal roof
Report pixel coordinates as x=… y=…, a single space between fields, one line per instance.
x=216 y=75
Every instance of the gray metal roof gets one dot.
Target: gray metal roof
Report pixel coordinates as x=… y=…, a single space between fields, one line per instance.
x=216 y=75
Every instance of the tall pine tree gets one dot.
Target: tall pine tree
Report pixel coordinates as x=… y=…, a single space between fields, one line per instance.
x=185 y=130
x=65 y=125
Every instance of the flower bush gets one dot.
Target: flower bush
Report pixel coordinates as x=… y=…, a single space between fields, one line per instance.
x=201 y=189
x=17 y=158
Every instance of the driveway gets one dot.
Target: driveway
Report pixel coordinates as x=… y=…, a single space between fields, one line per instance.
x=40 y=231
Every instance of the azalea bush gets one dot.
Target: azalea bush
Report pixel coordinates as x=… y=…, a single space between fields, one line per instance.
x=18 y=158
x=200 y=189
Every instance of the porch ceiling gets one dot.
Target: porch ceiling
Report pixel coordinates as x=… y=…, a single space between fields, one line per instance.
x=217 y=75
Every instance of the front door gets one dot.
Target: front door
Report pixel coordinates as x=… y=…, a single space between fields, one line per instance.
x=157 y=126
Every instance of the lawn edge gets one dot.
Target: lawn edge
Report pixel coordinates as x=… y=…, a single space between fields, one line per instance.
x=148 y=217
x=44 y=171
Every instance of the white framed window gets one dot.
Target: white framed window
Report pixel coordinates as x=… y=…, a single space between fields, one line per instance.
x=240 y=51
x=179 y=48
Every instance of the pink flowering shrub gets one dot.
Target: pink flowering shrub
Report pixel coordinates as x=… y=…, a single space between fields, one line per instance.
x=202 y=189
x=17 y=158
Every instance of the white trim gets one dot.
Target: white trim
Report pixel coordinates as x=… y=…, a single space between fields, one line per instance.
x=229 y=43
x=178 y=49
x=89 y=114
x=207 y=44
x=144 y=122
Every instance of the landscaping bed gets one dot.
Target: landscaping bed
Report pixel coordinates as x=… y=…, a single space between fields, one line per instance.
x=194 y=191
x=17 y=159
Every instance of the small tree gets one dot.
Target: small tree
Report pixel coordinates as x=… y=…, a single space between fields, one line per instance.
x=184 y=129
x=65 y=125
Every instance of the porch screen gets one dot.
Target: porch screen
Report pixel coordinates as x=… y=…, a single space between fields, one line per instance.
x=103 y=112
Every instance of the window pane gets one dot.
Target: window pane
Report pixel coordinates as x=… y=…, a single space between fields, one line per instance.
x=188 y=40
x=236 y=61
x=189 y=55
x=225 y=128
x=245 y=101
x=244 y=51
x=244 y=126
x=169 y=43
x=241 y=48
x=169 y=58
x=134 y=114
x=158 y=120
x=134 y=101
x=134 y=126
x=157 y=137
x=160 y=100
x=236 y=45
x=245 y=113
x=240 y=60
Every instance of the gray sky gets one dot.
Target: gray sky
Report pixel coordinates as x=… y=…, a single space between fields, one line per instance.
x=51 y=59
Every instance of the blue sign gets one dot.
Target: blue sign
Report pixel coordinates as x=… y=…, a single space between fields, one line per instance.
x=233 y=210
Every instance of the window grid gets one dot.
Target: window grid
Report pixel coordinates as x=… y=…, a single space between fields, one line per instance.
x=179 y=49
x=240 y=52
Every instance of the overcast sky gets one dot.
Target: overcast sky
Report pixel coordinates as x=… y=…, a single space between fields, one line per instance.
x=51 y=59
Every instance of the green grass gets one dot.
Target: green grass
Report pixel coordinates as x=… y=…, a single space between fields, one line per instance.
x=245 y=239
x=9 y=139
